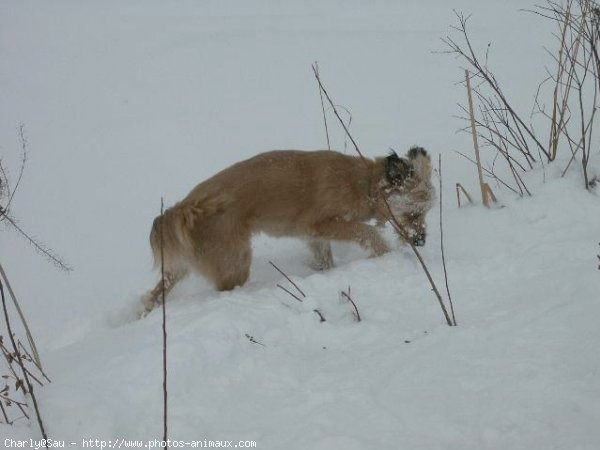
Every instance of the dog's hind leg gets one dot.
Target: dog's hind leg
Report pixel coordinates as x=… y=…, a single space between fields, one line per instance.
x=154 y=297
x=321 y=250
x=228 y=262
x=234 y=268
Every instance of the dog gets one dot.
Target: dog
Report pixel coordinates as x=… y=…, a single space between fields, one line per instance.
x=318 y=196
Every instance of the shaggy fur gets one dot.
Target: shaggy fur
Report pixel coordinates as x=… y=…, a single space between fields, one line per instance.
x=318 y=196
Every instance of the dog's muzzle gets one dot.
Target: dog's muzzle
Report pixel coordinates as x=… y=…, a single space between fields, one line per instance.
x=419 y=241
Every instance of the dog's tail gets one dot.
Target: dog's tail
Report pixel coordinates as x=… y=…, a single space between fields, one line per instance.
x=172 y=234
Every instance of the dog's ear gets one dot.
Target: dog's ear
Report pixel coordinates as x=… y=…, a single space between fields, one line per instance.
x=417 y=152
x=421 y=161
x=397 y=169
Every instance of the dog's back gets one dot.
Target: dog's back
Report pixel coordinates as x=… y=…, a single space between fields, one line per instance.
x=283 y=192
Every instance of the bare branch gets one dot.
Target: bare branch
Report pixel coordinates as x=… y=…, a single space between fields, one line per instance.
x=316 y=66
x=9 y=193
x=459 y=188
x=21 y=365
x=23 y=141
x=489 y=173
x=164 y=323
x=254 y=341
x=288 y=278
x=480 y=71
x=30 y=339
x=290 y=293
x=320 y=314
x=442 y=244
x=45 y=251
x=335 y=111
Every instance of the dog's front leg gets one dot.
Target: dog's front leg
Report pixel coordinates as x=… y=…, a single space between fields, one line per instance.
x=321 y=250
x=363 y=234
x=154 y=297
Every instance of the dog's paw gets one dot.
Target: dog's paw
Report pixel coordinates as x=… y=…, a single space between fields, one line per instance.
x=378 y=249
x=321 y=265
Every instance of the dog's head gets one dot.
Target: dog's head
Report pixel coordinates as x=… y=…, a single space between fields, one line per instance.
x=409 y=192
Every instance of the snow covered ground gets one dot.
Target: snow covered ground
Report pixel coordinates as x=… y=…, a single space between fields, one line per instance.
x=126 y=102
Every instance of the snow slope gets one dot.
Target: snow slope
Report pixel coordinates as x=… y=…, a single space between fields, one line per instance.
x=125 y=103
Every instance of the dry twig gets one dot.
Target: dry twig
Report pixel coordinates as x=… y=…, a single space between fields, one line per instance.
x=289 y=292
x=497 y=104
x=442 y=244
x=24 y=371
x=484 y=196
x=288 y=278
x=459 y=188
x=164 y=324
x=36 y=356
x=348 y=297
x=7 y=192
x=323 y=109
x=318 y=312
x=254 y=341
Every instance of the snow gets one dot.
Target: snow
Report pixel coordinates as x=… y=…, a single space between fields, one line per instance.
x=125 y=103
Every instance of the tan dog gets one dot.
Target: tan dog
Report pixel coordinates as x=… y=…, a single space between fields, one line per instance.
x=318 y=196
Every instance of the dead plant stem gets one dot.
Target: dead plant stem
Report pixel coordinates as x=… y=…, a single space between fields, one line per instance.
x=164 y=324
x=36 y=356
x=442 y=244
x=22 y=366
